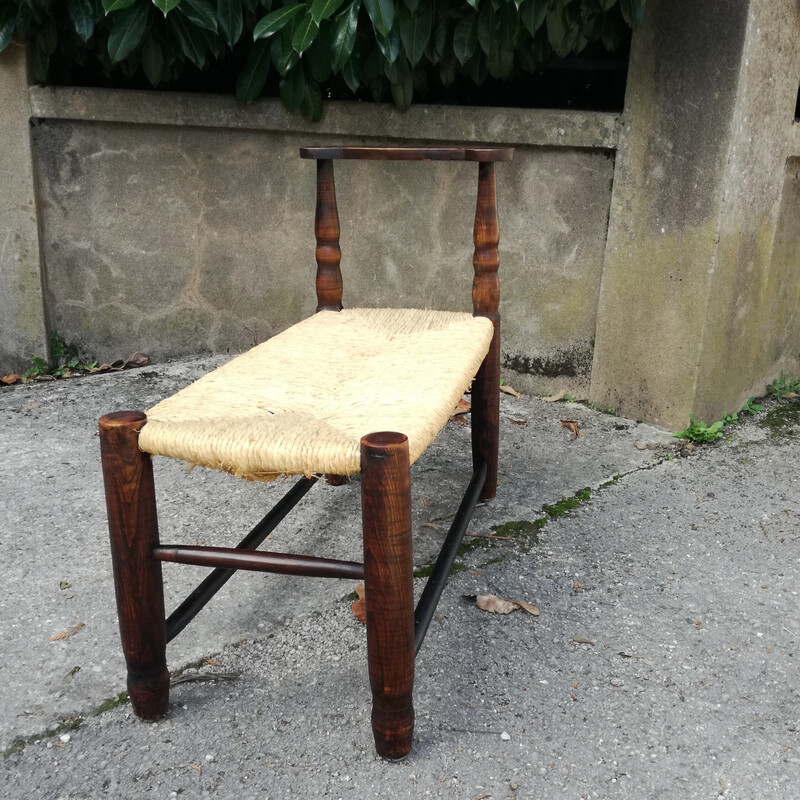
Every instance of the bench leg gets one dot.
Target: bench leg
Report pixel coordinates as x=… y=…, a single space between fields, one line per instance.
x=486 y=414
x=133 y=526
x=388 y=581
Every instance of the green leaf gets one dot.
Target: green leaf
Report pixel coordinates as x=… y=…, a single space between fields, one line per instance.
x=447 y=69
x=487 y=27
x=389 y=45
x=401 y=84
x=40 y=62
x=476 y=68
x=500 y=61
x=116 y=5
x=304 y=34
x=415 y=32
x=381 y=12
x=127 y=30
x=152 y=60
x=277 y=20
x=81 y=12
x=558 y=32
x=190 y=39
x=344 y=37
x=165 y=6
x=200 y=13
x=372 y=72
x=532 y=14
x=253 y=76
x=632 y=11
x=322 y=9
x=300 y=93
x=8 y=21
x=317 y=59
x=411 y=5
x=231 y=20
x=465 y=38
x=47 y=37
x=474 y=3
x=351 y=76
x=284 y=57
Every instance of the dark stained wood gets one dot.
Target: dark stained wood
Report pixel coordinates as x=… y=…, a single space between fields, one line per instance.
x=326 y=229
x=485 y=303
x=443 y=153
x=282 y=563
x=389 y=595
x=133 y=527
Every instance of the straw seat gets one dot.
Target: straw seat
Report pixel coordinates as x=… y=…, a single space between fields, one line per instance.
x=300 y=402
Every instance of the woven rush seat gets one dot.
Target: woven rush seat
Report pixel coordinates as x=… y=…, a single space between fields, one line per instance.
x=300 y=402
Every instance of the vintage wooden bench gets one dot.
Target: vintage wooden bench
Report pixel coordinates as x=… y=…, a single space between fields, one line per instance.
x=369 y=390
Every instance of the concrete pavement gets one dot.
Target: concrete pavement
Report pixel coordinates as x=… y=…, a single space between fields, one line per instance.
x=664 y=662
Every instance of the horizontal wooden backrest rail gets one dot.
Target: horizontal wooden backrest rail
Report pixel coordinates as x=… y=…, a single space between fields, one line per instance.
x=375 y=153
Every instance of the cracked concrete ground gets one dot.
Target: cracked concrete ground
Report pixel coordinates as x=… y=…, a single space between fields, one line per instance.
x=663 y=664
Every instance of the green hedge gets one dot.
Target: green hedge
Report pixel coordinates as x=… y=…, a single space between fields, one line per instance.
x=384 y=46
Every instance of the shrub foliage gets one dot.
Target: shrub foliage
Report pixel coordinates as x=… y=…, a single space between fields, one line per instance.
x=382 y=47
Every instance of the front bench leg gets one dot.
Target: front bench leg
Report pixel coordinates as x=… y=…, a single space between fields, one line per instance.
x=388 y=582
x=133 y=526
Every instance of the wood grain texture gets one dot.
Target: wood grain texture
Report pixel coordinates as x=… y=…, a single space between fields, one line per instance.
x=133 y=528
x=280 y=563
x=485 y=303
x=326 y=230
x=377 y=153
x=389 y=596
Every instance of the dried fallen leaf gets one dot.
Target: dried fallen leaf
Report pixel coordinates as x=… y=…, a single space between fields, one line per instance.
x=577 y=640
x=358 y=607
x=9 y=379
x=517 y=421
x=526 y=607
x=474 y=572
x=429 y=525
x=462 y=407
x=66 y=634
x=554 y=398
x=70 y=675
x=458 y=419
x=492 y=603
x=64 y=585
x=426 y=503
x=211 y=661
x=136 y=360
x=572 y=425
x=510 y=390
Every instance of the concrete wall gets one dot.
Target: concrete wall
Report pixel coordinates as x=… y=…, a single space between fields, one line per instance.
x=699 y=304
x=650 y=260
x=177 y=235
x=22 y=321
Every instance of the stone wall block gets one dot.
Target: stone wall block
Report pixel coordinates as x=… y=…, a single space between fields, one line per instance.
x=23 y=333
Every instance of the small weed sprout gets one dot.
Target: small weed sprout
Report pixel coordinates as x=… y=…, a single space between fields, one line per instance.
x=784 y=386
x=751 y=407
x=64 y=360
x=698 y=431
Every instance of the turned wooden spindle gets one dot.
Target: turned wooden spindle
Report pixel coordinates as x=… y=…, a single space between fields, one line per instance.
x=326 y=230
x=485 y=303
x=389 y=591
x=133 y=527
